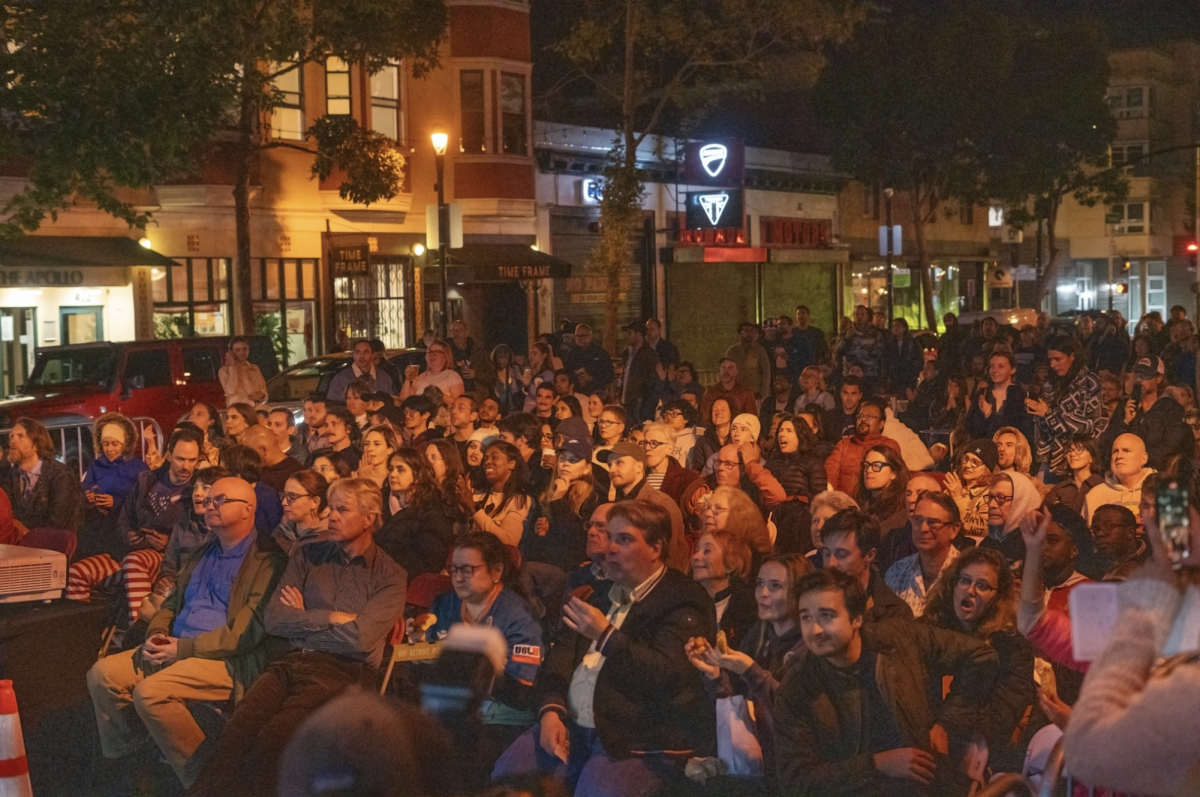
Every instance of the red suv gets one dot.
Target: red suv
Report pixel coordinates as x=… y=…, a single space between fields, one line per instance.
x=159 y=379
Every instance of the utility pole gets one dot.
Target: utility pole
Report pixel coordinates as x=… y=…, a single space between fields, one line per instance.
x=887 y=207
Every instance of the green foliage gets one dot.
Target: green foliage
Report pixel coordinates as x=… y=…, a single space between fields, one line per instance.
x=167 y=326
x=373 y=166
x=271 y=325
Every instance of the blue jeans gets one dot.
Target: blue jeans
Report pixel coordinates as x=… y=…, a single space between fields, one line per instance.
x=589 y=771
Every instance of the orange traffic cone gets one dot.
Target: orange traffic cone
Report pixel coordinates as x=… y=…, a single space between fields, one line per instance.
x=14 y=768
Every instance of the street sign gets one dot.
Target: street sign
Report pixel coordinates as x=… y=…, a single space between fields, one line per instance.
x=901 y=278
x=1114 y=218
x=897 y=240
x=1024 y=273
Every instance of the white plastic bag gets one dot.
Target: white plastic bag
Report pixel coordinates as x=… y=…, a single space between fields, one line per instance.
x=737 y=738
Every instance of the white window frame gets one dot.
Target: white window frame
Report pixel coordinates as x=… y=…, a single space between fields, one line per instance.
x=1119 y=153
x=1133 y=225
x=279 y=113
x=400 y=97
x=339 y=99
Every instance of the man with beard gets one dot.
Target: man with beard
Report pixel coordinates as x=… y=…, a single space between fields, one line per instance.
x=843 y=465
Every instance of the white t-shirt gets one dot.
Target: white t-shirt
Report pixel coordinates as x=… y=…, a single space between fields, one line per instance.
x=447 y=379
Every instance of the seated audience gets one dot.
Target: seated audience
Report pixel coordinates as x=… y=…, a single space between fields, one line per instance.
x=934 y=527
x=329 y=464
x=158 y=502
x=420 y=530
x=795 y=462
x=968 y=485
x=109 y=479
x=627 y=471
x=282 y=424
x=378 y=443
x=335 y=605
x=590 y=577
x=560 y=536
x=880 y=674
x=206 y=643
x=44 y=492
x=239 y=418
x=849 y=543
x=277 y=466
x=1011 y=497
x=882 y=486
x=825 y=506
x=897 y=543
x=305 y=510
x=1115 y=534
x=663 y=472
x=502 y=509
x=1123 y=485
x=617 y=690
x=244 y=462
x=844 y=466
x=720 y=564
x=1084 y=461
x=976 y=596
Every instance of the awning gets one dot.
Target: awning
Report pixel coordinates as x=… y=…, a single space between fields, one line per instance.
x=493 y=262
x=67 y=251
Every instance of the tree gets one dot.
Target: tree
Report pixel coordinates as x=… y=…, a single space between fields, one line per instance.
x=1053 y=139
x=225 y=55
x=911 y=97
x=646 y=60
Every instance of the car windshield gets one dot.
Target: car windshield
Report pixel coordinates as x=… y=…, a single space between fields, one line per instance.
x=54 y=367
x=301 y=381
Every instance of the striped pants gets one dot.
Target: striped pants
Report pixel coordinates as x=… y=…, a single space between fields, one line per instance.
x=139 y=569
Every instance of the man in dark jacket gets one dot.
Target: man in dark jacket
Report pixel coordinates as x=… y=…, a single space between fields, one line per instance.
x=621 y=707
x=850 y=543
x=903 y=358
x=590 y=355
x=161 y=498
x=1156 y=418
x=44 y=492
x=855 y=716
x=639 y=381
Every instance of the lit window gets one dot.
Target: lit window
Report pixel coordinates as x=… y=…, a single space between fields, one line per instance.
x=385 y=101
x=287 y=118
x=337 y=87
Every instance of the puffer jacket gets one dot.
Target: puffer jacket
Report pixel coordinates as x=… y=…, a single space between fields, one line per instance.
x=800 y=473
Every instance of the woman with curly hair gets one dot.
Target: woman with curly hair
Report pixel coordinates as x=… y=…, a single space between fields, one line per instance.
x=108 y=480
x=976 y=596
x=450 y=475
x=419 y=532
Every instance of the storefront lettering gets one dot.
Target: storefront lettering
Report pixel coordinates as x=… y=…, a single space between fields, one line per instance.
x=16 y=277
x=523 y=272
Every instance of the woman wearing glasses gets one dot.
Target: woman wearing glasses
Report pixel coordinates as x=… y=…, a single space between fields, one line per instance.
x=305 y=511
x=487 y=592
x=882 y=486
x=663 y=471
x=560 y=534
x=976 y=596
x=1011 y=496
x=610 y=429
x=968 y=485
x=935 y=525
x=419 y=527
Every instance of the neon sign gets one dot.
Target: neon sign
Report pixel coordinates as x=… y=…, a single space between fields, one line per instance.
x=714 y=208
x=712 y=158
x=713 y=204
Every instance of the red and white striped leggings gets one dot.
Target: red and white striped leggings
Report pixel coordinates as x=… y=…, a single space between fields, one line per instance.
x=139 y=570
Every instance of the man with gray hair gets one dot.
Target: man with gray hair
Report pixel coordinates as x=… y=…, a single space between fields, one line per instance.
x=591 y=357
x=336 y=604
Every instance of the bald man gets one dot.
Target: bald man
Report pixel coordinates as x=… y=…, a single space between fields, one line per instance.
x=1123 y=484
x=207 y=643
x=277 y=466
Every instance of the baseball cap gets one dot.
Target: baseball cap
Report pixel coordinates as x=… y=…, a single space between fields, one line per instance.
x=1148 y=367
x=622 y=450
x=573 y=433
x=987 y=452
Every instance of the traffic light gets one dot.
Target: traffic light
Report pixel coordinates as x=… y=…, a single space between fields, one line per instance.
x=1125 y=266
x=1121 y=288
x=1193 y=250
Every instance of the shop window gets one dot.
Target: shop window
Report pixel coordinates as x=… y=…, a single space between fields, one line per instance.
x=385 y=101
x=287 y=117
x=472 y=111
x=190 y=299
x=514 y=132
x=285 y=306
x=337 y=87
x=870 y=205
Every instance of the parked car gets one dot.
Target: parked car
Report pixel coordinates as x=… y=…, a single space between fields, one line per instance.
x=290 y=387
x=158 y=379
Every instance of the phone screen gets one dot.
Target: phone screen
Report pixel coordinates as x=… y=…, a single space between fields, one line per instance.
x=1173 y=520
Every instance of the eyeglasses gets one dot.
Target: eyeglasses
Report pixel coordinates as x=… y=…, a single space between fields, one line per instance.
x=607 y=423
x=875 y=467
x=598 y=524
x=981 y=587
x=864 y=417
x=465 y=571
x=291 y=498
x=933 y=525
x=971 y=462
x=724 y=463
x=218 y=501
x=651 y=445
x=672 y=414
x=1000 y=499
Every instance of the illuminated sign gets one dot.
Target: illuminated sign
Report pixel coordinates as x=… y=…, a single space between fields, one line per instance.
x=708 y=209
x=713 y=157
x=995 y=216
x=717 y=163
x=349 y=260
x=590 y=192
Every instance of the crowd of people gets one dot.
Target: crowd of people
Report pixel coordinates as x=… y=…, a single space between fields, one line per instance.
x=870 y=540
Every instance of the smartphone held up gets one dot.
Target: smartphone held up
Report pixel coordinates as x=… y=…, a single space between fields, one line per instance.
x=1171 y=504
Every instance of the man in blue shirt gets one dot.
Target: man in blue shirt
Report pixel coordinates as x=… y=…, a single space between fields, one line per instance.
x=207 y=643
x=363 y=367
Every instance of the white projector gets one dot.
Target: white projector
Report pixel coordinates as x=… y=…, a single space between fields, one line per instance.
x=31 y=574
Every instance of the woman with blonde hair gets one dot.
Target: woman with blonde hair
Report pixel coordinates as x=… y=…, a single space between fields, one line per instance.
x=721 y=564
x=730 y=508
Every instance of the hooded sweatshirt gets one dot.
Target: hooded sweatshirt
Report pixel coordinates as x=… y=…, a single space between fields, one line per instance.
x=1026 y=498
x=1113 y=492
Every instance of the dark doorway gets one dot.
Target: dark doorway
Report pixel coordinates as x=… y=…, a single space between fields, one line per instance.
x=501 y=312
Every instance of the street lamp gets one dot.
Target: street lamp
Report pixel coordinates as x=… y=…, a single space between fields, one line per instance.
x=440 y=140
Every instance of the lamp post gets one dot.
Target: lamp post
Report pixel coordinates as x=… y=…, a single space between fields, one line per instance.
x=887 y=209
x=440 y=140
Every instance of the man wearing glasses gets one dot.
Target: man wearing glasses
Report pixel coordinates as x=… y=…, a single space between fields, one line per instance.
x=589 y=356
x=206 y=643
x=935 y=525
x=843 y=465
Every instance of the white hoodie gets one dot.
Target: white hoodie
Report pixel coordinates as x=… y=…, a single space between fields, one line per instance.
x=1113 y=492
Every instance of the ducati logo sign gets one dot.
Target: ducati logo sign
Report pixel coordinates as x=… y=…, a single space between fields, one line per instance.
x=719 y=164
x=712 y=158
x=713 y=204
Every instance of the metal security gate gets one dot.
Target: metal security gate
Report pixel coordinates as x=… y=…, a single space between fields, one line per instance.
x=374 y=304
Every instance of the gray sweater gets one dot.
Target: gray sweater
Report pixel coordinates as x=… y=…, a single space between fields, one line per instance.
x=1134 y=726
